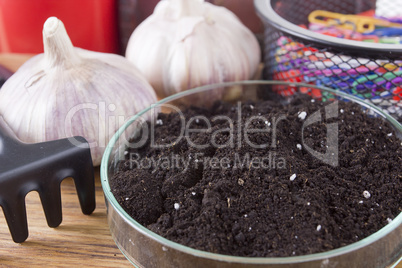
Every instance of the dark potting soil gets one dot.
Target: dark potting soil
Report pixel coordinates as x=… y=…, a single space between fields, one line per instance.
x=275 y=201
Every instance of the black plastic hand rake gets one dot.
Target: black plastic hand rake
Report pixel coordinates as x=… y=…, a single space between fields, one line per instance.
x=41 y=167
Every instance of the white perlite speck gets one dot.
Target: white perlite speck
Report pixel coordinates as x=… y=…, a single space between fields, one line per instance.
x=302 y=115
x=293 y=177
x=389 y=134
x=366 y=194
x=299 y=146
x=318 y=227
x=193 y=193
x=159 y=122
x=389 y=220
x=176 y=206
x=341 y=111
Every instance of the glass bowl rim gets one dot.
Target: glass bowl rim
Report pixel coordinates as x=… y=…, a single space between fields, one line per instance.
x=396 y=222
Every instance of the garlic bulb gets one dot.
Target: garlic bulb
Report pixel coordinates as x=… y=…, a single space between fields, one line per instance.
x=68 y=91
x=189 y=43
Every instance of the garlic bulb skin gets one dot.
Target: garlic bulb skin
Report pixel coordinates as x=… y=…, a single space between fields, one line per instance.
x=190 y=43
x=68 y=91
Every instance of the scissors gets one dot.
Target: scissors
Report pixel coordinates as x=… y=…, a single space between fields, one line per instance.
x=361 y=24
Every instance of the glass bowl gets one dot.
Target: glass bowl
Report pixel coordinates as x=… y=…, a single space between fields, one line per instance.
x=144 y=248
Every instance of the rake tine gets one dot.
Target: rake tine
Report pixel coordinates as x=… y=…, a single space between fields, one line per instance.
x=51 y=203
x=86 y=192
x=85 y=188
x=16 y=217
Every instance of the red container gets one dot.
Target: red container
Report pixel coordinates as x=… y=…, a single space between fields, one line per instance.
x=91 y=24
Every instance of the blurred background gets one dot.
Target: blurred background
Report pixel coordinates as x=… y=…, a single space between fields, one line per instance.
x=97 y=25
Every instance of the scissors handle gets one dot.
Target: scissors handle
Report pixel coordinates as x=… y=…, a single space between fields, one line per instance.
x=359 y=23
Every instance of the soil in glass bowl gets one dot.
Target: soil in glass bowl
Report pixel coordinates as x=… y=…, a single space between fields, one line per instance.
x=284 y=189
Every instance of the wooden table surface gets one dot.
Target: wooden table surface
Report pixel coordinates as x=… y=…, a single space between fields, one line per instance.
x=80 y=240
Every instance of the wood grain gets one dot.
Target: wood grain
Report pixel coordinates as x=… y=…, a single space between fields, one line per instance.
x=80 y=240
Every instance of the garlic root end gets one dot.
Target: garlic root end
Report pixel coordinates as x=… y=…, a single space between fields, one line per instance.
x=51 y=25
x=58 y=49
